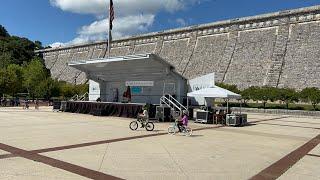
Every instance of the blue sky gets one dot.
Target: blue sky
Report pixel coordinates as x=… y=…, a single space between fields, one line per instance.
x=78 y=21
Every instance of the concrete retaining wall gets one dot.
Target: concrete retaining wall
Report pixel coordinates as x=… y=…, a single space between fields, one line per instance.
x=279 y=49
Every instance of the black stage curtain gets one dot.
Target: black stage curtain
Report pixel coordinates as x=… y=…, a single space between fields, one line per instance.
x=104 y=109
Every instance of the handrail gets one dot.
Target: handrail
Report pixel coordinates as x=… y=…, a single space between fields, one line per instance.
x=74 y=98
x=170 y=102
x=83 y=97
x=177 y=102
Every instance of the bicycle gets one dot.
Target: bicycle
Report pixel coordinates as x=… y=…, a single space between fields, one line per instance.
x=173 y=129
x=144 y=124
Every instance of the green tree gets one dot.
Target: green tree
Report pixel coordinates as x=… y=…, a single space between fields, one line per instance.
x=3 y=32
x=67 y=90
x=232 y=88
x=249 y=94
x=14 y=75
x=2 y=81
x=35 y=77
x=53 y=88
x=311 y=95
x=5 y=59
x=274 y=94
x=288 y=96
x=38 y=45
x=81 y=89
x=18 y=49
x=265 y=94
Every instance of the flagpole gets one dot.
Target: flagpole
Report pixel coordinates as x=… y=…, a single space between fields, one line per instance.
x=109 y=43
x=109 y=34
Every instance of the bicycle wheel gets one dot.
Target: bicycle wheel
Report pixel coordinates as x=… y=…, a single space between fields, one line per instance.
x=171 y=130
x=149 y=126
x=141 y=122
x=133 y=125
x=188 y=131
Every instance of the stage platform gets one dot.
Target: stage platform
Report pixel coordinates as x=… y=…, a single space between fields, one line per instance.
x=129 y=110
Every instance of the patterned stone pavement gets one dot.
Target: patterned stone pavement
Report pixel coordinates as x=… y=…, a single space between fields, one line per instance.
x=48 y=145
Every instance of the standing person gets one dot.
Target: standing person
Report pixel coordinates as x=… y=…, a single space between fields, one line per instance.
x=36 y=104
x=5 y=102
x=129 y=94
x=27 y=104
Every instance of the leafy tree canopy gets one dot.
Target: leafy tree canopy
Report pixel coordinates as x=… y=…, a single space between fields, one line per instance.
x=3 y=32
x=232 y=88
x=34 y=75
x=16 y=50
x=311 y=95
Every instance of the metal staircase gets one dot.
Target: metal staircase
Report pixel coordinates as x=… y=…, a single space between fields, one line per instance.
x=74 y=98
x=84 y=97
x=176 y=107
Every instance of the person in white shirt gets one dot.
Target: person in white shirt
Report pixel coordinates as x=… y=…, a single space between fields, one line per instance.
x=144 y=116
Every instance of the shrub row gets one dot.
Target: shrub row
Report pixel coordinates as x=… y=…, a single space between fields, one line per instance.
x=266 y=94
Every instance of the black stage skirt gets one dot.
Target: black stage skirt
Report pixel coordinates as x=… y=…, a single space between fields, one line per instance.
x=104 y=109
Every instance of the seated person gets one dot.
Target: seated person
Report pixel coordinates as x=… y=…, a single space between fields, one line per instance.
x=144 y=116
x=183 y=123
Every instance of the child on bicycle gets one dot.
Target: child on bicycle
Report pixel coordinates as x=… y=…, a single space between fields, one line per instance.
x=184 y=121
x=144 y=116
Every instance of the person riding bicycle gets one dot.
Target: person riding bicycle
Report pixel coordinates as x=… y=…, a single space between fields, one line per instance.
x=183 y=123
x=144 y=116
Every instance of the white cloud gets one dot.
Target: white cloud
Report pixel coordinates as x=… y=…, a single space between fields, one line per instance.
x=123 y=27
x=132 y=16
x=124 y=7
x=57 y=44
x=181 y=22
x=81 y=6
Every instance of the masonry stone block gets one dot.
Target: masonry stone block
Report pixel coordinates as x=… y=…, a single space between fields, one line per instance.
x=278 y=49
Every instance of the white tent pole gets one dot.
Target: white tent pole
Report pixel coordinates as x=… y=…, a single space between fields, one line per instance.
x=240 y=105
x=187 y=103
x=205 y=101
x=227 y=105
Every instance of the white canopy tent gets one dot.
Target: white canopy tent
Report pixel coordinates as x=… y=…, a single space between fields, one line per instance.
x=215 y=92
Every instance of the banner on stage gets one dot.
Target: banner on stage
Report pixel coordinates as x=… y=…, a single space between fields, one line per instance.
x=139 y=83
x=136 y=90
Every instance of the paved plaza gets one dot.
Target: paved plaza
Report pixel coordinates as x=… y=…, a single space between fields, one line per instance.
x=51 y=145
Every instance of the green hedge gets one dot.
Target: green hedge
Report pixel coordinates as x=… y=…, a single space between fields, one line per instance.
x=268 y=95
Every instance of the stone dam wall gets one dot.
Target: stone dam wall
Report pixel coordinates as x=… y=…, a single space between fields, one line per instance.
x=279 y=49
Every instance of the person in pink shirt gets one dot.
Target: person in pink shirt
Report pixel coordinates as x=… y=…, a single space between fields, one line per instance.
x=184 y=121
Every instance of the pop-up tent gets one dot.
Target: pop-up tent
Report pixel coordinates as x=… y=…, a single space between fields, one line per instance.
x=214 y=92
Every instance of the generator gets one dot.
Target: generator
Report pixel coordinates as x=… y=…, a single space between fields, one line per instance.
x=236 y=119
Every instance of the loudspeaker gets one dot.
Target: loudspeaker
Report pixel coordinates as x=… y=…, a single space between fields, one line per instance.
x=163 y=113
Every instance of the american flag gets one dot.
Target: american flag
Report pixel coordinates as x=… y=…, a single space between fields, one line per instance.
x=111 y=15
